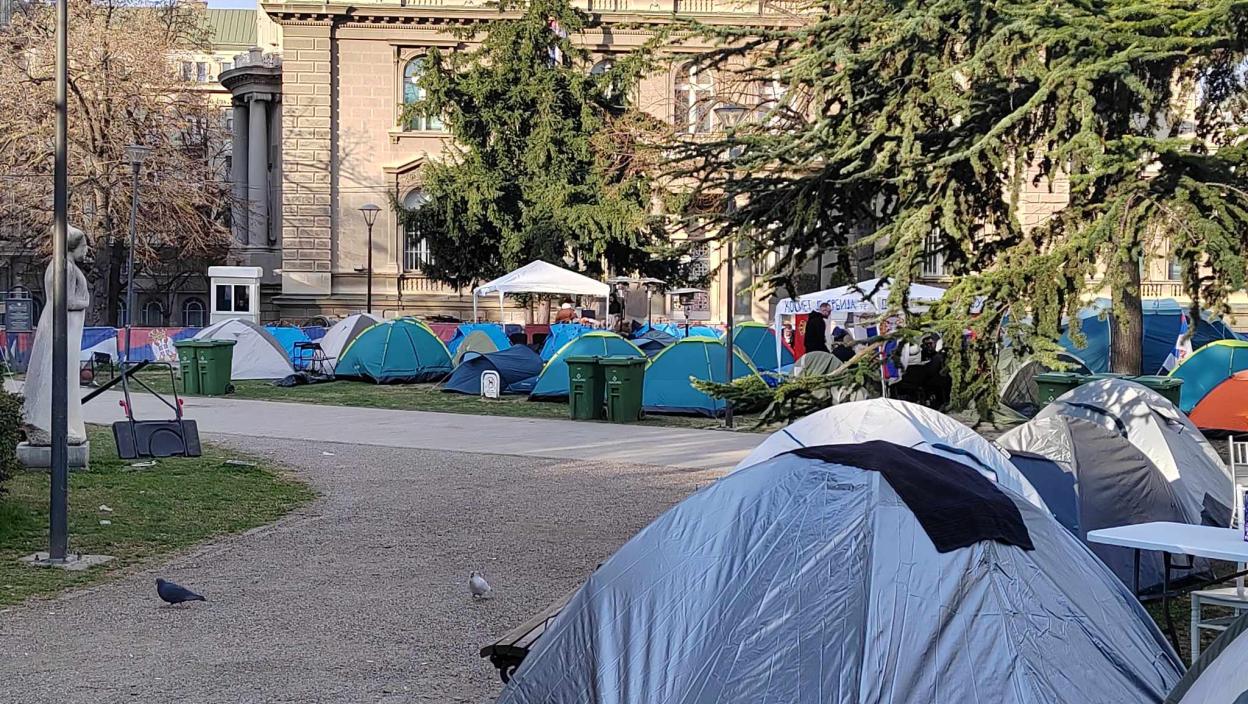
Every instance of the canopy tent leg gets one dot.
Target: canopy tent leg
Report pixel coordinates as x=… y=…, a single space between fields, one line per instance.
x=500 y=307
x=475 y=318
x=776 y=325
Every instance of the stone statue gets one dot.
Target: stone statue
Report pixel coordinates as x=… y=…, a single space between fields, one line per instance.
x=37 y=408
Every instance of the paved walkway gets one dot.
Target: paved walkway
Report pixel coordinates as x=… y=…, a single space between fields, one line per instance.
x=361 y=596
x=526 y=437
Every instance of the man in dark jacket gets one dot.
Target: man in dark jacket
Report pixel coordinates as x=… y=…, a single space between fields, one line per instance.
x=816 y=337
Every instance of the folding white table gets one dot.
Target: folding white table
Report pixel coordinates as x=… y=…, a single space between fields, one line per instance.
x=1176 y=539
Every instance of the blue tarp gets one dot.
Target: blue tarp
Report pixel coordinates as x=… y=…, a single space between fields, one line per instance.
x=287 y=337
x=667 y=386
x=561 y=335
x=1161 y=329
x=654 y=341
x=494 y=330
x=517 y=368
x=314 y=332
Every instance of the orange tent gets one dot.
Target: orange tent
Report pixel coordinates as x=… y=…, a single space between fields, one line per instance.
x=1225 y=407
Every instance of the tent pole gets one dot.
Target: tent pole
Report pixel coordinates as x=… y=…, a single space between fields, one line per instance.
x=775 y=326
x=474 y=307
x=500 y=307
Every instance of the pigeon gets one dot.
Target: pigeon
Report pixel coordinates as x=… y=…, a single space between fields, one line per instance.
x=477 y=585
x=171 y=593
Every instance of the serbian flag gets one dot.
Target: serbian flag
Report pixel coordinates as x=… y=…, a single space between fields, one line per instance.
x=1182 y=346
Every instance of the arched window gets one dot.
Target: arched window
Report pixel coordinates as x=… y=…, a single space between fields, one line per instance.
x=153 y=314
x=416 y=254
x=695 y=98
x=194 y=314
x=122 y=314
x=413 y=93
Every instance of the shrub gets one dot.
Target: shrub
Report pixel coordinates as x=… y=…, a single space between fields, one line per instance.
x=10 y=434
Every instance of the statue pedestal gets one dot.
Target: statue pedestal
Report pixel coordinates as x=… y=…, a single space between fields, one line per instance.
x=40 y=456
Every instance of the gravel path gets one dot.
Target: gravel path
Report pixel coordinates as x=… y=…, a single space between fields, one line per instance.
x=359 y=597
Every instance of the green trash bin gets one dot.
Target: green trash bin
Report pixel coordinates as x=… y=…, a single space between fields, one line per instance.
x=1167 y=386
x=216 y=357
x=624 y=378
x=1050 y=385
x=585 y=388
x=188 y=364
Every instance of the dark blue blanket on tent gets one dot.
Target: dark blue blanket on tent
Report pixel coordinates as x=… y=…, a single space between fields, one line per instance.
x=517 y=368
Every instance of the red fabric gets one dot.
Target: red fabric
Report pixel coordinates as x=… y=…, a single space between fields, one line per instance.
x=535 y=329
x=444 y=331
x=799 y=335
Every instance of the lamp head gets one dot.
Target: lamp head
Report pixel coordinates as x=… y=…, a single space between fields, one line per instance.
x=369 y=211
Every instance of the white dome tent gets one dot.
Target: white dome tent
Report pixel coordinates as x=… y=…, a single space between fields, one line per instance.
x=899 y=422
x=847 y=574
x=1218 y=676
x=343 y=332
x=257 y=354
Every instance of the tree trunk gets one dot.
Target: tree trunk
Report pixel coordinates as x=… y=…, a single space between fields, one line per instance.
x=1126 y=330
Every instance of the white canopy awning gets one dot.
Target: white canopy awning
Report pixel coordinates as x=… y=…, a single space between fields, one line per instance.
x=542 y=277
x=852 y=299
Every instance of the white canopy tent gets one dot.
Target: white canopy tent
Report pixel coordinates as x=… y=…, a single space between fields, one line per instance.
x=540 y=277
x=853 y=298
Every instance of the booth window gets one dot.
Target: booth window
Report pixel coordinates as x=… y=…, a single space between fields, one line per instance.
x=233 y=299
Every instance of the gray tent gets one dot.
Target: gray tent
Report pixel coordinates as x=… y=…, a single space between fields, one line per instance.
x=1017 y=378
x=1200 y=481
x=808 y=578
x=1218 y=676
x=1092 y=478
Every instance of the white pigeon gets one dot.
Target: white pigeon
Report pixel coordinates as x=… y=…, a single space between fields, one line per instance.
x=477 y=586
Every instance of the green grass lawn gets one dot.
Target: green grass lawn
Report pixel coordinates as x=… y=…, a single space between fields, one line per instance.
x=157 y=511
x=423 y=397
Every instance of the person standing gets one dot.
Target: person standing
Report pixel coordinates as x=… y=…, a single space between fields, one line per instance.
x=816 y=337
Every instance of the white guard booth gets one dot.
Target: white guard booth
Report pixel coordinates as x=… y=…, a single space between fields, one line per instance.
x=540 y=277
x=235 y=293
x=850 y=299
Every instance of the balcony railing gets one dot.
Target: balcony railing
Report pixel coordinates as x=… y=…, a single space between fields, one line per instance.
x=729 y=7
x=1164 y=289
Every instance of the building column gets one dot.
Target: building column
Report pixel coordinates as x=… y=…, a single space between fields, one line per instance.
x=258 y=171
x=238 y=172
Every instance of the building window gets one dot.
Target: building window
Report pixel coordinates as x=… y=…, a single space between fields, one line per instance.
x=413 y=93
x=122 y=315
x=223 y=66
x=188 y=70
x=695 y=98
x=153 y=314
x=1174 y=269
x=194 y=314
x=201 y=71
x=934 y=256
x=416 y=254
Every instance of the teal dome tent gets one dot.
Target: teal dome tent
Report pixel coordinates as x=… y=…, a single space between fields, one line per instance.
x=401 y=351
x=668 y=389
x=553 y=382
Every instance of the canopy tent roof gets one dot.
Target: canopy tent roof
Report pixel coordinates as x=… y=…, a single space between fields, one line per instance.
x=853 y=298
x=542 y=277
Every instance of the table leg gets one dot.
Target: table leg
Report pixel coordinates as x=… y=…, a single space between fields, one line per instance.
x=1136 y=582
x=1195 y=651
x=1165 y=601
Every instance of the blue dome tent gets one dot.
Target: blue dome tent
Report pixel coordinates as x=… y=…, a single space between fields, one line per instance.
x=654 y=341
x=1162 y=319
x=517 y=369
x=400 y=351
x=1207 y=367
x=667 y=387
x=560 y=335
x=758 y=342
x=553 y=382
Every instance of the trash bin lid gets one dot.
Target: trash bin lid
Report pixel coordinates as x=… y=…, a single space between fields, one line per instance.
x=190 y=343
x=623 y=361
x=219 y=343
x=583 y=360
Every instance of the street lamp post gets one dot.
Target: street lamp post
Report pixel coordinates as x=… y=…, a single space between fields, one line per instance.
x=58 y=500
x=369 y=211
x=730 y=115
x=135 y=154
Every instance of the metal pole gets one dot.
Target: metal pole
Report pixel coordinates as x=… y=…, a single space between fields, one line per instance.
x=728 y=421
x=58 y=513
x=368 y=300
x=134 y=218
